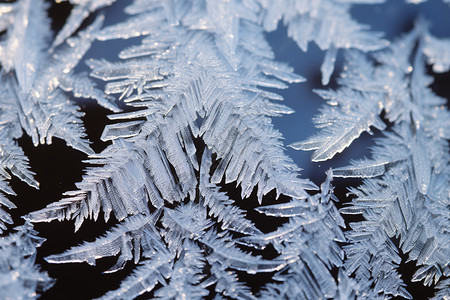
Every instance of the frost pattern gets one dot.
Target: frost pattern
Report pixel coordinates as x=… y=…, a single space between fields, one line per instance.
x=31 y=96
x=405 y=193
x=32 y=101
x=199 y=86
x=20 y=278
x=326 y=22
x=186 y=88
x=308 y=242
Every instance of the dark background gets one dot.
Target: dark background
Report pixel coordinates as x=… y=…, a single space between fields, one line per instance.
x=58 y=167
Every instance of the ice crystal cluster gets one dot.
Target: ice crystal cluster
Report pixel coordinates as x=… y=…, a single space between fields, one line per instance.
x=191 y=100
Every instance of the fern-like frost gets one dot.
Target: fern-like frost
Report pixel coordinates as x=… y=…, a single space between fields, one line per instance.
x=404 y=178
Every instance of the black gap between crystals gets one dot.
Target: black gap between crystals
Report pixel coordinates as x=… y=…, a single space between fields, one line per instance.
x=440 y=85
x=58 y=12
